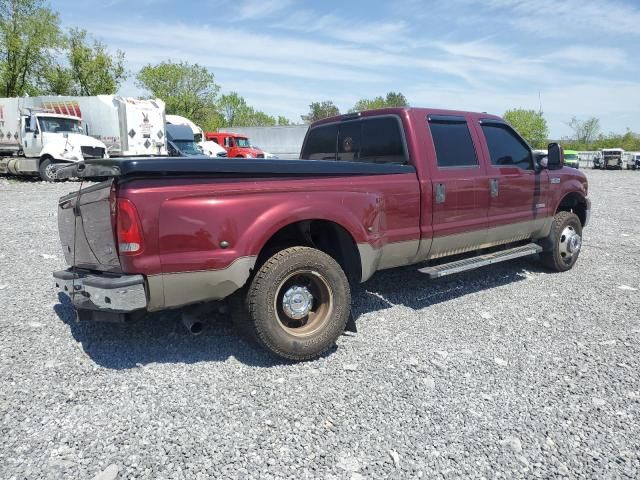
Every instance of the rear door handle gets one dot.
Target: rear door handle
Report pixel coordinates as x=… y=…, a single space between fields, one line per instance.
x=440 y=193
x=495 y=189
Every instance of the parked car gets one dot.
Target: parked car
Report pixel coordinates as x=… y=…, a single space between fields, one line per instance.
x=237 y=146
x=571 y=159
x=285 y=242
x=266 y=154
x=180 y=141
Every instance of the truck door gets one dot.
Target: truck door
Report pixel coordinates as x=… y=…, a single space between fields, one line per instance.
x=31 y=137
x=518 y=205
x=460 y=187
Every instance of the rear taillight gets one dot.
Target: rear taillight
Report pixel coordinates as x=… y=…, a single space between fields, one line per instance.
x=128 y=228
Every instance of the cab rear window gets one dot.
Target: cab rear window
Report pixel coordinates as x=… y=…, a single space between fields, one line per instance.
x=370 y=140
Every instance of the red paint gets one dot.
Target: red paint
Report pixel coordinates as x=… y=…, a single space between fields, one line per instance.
x=184 y=220
x=237 y=146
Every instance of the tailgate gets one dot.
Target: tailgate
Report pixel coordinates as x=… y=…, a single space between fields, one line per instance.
x=86 y=230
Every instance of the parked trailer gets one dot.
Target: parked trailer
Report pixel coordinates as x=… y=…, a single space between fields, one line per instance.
x=34 y=139
x=609 y=158
x=632 y=160
x=127 y=126
x=39 y=133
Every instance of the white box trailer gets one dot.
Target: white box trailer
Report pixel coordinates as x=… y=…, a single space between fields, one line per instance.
x=127 y=126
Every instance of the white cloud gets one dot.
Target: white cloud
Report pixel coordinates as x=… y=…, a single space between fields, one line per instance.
x=567 y=17
x=589 y=55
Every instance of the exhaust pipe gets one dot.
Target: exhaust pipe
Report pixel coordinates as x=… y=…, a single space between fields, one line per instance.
x=192 y=323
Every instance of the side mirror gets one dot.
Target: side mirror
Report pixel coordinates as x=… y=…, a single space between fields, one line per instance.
x=555 y=157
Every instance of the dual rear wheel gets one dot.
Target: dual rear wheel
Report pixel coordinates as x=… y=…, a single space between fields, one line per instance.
x=297 y=304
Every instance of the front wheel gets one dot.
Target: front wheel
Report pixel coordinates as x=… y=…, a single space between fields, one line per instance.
x=562 y=246
x=48 y=171
x=298 y=303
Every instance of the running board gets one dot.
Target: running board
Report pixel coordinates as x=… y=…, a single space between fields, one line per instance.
x=481 y=261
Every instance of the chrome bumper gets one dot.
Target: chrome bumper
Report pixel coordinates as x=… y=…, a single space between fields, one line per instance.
x=109 y=292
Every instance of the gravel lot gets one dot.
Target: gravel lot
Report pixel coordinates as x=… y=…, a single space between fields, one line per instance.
x=506 y=371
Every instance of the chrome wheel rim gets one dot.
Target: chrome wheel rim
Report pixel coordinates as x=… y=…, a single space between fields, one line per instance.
x=51 y=172
x=303 y=303
x=570 y=243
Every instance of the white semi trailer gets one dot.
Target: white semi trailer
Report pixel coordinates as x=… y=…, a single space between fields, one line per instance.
x=85 y=128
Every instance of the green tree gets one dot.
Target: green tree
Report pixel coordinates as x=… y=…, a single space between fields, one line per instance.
x=392 y=99
x=94 y=70
x=29 y=38
x=91 y=70
x=188 y=90
x=585 y=131
x=283 y=121
x=256 y=118
x=530 y=124
x=320 y=110
x=234 y=109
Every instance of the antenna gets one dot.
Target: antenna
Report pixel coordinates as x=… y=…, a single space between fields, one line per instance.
x=540 y=103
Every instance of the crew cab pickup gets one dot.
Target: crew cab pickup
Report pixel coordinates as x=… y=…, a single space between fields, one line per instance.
x=286 y=241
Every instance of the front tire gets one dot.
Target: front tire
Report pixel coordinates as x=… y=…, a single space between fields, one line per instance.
x=562 y=246
x=298 y=304
x=48 y=170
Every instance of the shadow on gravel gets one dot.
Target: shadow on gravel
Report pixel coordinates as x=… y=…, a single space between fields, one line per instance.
x=161 y=337
x=408 y=287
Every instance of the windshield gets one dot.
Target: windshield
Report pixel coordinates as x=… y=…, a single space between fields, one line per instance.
x=58 y=124
x=570 y=156
x=188 y=147
x=242 y=143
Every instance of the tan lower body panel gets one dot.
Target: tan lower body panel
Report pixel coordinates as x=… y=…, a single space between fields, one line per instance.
x=415 y=251
x=169 y=290
x=391 y=255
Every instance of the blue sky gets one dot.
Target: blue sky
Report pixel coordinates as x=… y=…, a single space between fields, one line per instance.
x=581 y=56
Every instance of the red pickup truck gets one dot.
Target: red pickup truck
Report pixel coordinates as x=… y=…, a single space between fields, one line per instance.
x=286 y=241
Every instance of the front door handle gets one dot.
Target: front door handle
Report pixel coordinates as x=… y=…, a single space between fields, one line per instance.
x=440 y=193
x=495 y=189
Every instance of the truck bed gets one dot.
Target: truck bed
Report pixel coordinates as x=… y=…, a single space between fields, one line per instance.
x=180 y=166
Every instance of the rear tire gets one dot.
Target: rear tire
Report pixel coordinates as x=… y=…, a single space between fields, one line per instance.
x=562 y=246
x=297 y=304
x=47 y=170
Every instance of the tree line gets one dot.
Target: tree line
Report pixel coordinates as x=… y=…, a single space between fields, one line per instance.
x=37 y=57
x=586 y=133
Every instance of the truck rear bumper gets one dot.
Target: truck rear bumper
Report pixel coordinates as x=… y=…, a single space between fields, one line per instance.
x=105 y=292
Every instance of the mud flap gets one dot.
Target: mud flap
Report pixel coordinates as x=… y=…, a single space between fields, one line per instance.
x=351 y=323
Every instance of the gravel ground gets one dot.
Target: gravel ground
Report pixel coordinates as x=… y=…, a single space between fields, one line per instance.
x=506 y=371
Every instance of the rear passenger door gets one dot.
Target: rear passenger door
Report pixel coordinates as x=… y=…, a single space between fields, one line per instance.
x=460 y=187
x=517 y=208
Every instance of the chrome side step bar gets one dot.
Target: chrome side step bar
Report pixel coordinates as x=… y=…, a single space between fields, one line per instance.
x=481 y=261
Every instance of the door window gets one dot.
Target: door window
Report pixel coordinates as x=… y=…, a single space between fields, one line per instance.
x=453 y=143
x=506 y=148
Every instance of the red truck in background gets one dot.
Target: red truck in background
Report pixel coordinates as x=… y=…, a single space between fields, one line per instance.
x=237 y=146
x=286 y=241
